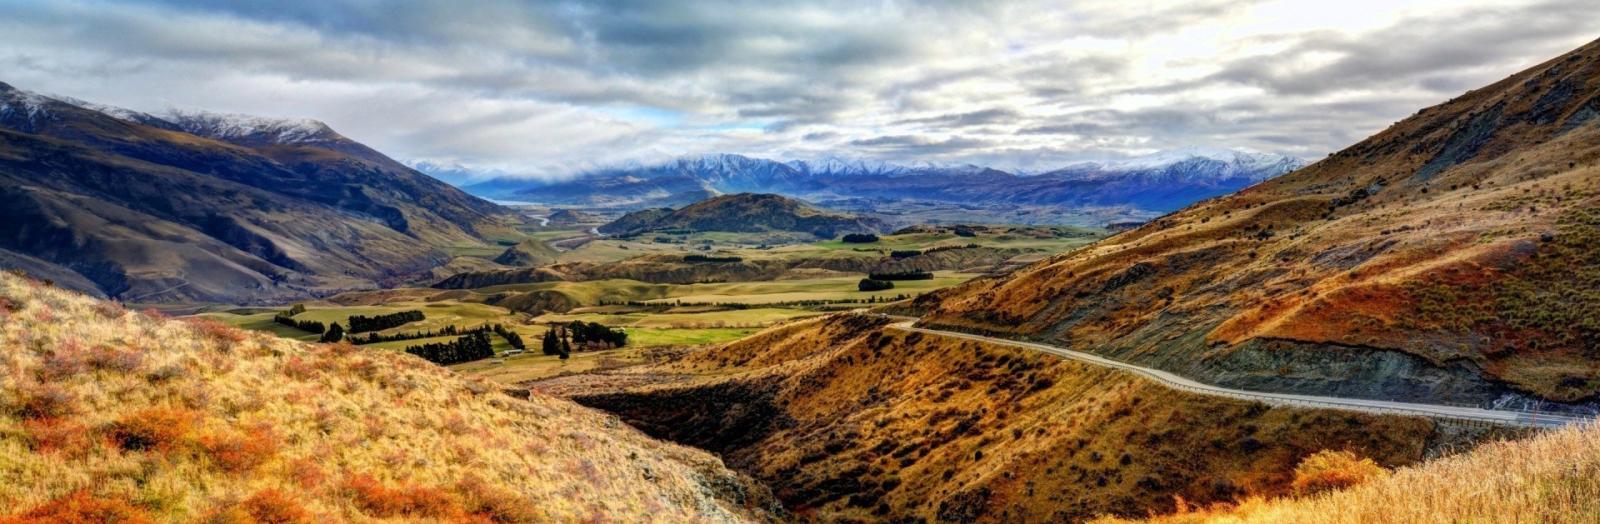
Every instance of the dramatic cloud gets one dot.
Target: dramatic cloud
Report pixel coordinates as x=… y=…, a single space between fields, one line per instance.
x=551 y=88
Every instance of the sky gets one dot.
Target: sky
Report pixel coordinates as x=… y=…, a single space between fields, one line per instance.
x=549 y=89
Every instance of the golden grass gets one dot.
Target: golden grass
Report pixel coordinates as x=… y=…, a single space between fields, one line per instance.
x=111 y=414
x=1551 y=478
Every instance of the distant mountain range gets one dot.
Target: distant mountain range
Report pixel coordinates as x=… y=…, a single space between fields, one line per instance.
x=205 y=207
x=1158 y=183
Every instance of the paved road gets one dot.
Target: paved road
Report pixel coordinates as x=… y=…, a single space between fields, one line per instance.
x=1509 y=418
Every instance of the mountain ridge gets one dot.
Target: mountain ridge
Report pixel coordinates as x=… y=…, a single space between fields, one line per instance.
x=1198 y=174
x=1448 y=257
x=150 y=211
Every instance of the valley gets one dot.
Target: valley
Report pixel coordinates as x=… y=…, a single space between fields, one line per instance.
x=727 y=263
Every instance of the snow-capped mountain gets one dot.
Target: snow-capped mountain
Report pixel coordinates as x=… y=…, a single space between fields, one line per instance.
x=230 y=127
x=236 y=127
x=1159 y=183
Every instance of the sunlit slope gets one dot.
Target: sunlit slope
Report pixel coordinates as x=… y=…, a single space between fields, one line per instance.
x=1454 y=256
x=107 y=412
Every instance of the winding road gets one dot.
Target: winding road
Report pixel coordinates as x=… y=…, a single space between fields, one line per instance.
x=1382 y=407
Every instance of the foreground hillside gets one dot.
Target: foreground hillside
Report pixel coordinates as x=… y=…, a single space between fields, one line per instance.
x=111 y=415
x=849 y=420
x=200 y=207
x=1553 y=478
x=1452 y=257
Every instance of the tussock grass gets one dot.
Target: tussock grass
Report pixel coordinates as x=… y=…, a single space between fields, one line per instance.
x=112 y=414
x=1551 y=478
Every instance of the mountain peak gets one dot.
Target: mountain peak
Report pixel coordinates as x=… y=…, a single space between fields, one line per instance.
x=240 y=127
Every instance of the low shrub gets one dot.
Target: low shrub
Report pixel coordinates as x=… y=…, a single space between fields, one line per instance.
x=1330 y=469
x=80 y=507
x=160 y=429
x=377 y=500
x=240 y=452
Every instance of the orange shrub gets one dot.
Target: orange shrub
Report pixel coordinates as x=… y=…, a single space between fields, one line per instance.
x=79 y=507
x=1329 y=469
x=271 y=506
x=51 y=435
x=160 y=429
x=239 y=453
x=381 y=501
x=306 y=473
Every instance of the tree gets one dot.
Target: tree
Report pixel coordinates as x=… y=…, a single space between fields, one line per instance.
x=333 y=334
x=868 y=284
x=550 y=345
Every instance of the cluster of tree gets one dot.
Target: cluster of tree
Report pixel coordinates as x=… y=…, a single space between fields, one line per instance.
x=868 y=284
x=964 y=232
x=472 y=347
x=362 y=324
x=937 y=249
x=904 y=253
x=740 y=305
x=860 y=238
x=707 y=258
x=335 y=333
x=512 y=337
x=287 y=319
x=562 y=339
x=902 y=275
x=374 y=338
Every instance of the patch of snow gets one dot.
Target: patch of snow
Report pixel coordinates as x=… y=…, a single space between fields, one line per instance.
x=233 y=126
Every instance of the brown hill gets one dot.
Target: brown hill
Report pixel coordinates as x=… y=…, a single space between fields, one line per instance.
x=848 y=421
x=1454 y=256
x=108 y=415
x=744 y=213
x=207 y=208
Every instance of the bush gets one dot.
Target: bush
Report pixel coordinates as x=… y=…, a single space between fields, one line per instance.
x=868 y=284
x=159 y=429
x=240 y=453
x=80 y=506
x=1329 y=469
x=377 y=500
x=271 y=505
x=860 y=238
x=906 y=253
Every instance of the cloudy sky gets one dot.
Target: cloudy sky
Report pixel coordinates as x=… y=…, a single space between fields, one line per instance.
x=549 y=88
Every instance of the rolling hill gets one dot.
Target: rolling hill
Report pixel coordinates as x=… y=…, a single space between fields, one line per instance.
x=1454 y=256
x=744 y=213
x=200 y=207
x=849 y=421
x=109 y=415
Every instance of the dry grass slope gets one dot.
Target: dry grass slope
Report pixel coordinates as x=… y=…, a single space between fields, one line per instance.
x=1552 y=478
x=108 y=414
x=848 y=421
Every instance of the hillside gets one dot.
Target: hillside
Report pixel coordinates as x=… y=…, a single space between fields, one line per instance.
x=744 y=213
x=112 y=415
x=849 y=421
x=1549 y=478
x=1452 y=257
x=199 y=207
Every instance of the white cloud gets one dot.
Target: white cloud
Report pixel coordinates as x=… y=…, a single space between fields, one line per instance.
x=547 y=88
